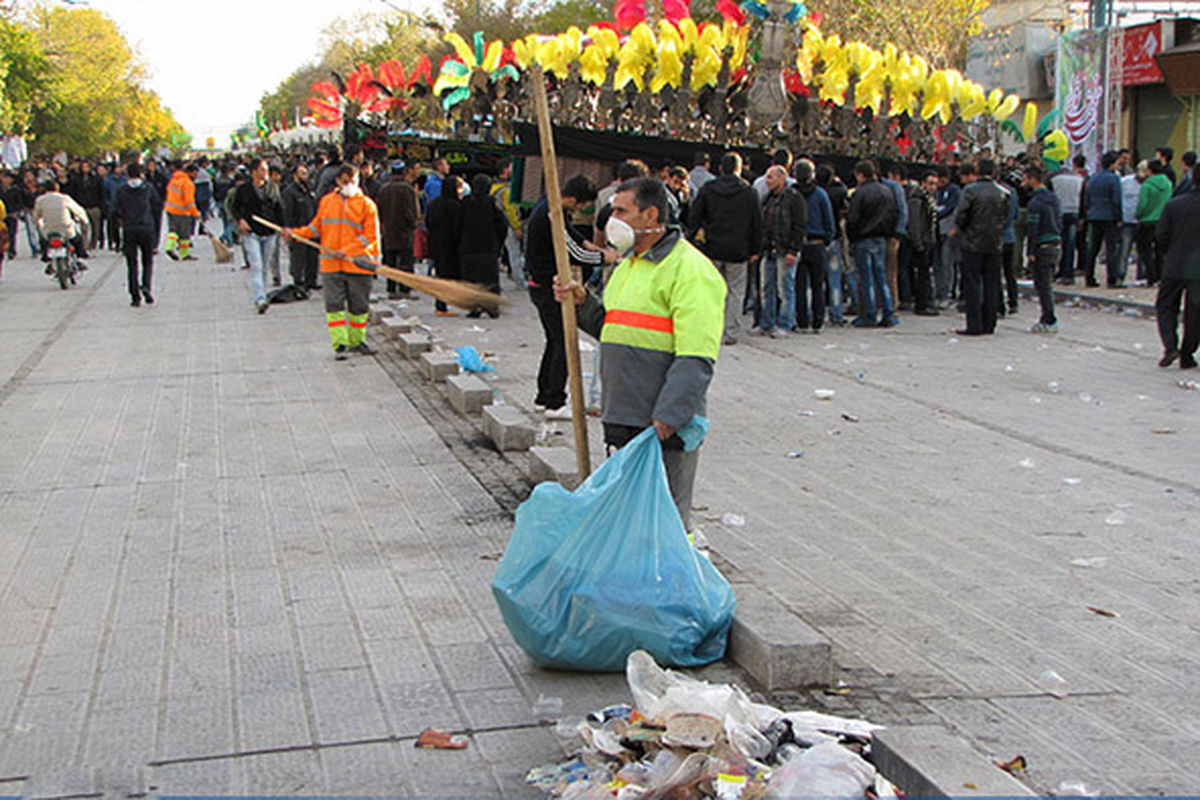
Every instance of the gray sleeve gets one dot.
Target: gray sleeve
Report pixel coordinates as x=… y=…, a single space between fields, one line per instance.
x=682 y=394
x=589 y=315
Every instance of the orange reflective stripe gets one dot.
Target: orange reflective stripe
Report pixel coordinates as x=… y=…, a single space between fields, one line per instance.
x=635 y=319
x=358 y=324
x=337 y=323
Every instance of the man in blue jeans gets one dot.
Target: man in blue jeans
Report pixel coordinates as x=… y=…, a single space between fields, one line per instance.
x=870 y=219
x=979 y=220
x=784 y=224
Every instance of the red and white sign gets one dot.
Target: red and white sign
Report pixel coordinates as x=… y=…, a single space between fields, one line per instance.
x=1141 y=44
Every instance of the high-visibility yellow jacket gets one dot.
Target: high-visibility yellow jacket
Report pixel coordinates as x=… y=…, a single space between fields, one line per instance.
x=660 y=329
x=349 y=224
x=181 y=196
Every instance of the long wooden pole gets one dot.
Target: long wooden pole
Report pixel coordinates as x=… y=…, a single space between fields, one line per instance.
x=562 y=261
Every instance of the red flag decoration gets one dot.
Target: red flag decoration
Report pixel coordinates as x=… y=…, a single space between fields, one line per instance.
x=628 y=13
x=728 y=9
x=675 y=10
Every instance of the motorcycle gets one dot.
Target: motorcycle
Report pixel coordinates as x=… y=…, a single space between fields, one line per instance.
x=64 y=263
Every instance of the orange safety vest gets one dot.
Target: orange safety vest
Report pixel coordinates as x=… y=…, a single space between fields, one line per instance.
x=349 y=224
x=181 y=196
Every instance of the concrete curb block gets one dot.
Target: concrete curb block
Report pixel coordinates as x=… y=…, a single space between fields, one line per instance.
x=438 y=366
x=508 y=428
x=1068 y=297
x=775 y=645
x=413 y=344
x=468 y=395
x=554 y=464
x=930 y=761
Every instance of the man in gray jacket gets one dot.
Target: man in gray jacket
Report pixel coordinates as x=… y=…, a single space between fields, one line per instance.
x=979 y=221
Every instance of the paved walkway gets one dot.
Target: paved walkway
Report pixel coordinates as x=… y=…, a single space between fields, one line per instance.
x=231 y=565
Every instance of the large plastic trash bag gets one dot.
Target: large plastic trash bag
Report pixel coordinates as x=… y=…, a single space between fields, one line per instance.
x=592 y=575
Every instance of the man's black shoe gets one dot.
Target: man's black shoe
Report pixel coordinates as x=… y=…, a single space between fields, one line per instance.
x=136 y=301
x=1187 y=362
x=316 y=287
x=927 y=312
x=171 y=254
x=1092 y=284
x=148 y=297
x=49 y=268
x=965 y=332
x=1168 y=358
x=339 y=353
x=364 y=349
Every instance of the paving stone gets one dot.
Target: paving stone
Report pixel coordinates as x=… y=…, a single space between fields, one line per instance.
x=508 y=428
x=438 y=366
x=394 y=327
x=413 y=344
x=467 y=394
x=555 y=464
x=929 y=761
x=345 y=705
x=775 y=645
x=380 y=311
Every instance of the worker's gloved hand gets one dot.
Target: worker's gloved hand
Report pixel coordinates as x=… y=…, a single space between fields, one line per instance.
x=693 y=432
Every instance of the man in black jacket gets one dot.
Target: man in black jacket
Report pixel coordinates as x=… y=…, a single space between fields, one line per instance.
x=922 y=242
x=87 y=189
x=1179 y=241
x=540 y=268
x=399 y=214
x=870 y=219
x=259 y=198
x=727 y=210
x=979 y=221
x=299 y=206
x=785 y=223
x=137 y=206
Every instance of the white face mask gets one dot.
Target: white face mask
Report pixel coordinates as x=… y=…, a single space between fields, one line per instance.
x=619 y=234
x=350 y=189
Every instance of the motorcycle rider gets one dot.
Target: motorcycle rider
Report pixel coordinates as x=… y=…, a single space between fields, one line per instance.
x=55 y=212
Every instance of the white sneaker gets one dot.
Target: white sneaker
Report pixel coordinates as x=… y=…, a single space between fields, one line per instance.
x=559 y=413
x=779 y=333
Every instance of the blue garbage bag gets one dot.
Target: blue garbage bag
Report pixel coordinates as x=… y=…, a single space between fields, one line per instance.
x=470 y=360
x=590 y=576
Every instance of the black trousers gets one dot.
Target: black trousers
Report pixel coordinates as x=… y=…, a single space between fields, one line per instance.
x=552 y=372
x=302 y=263
x=1047 y=258
x=402 y=260
x=981 y=290
x=920 y=264
x=1070 y=238
x=1166 y=307
x=1009 y=266
x=1148 y=252
x=114 y=232
x=138 y=240
x=12 y=224
x=1104 y=233
x=810 y=286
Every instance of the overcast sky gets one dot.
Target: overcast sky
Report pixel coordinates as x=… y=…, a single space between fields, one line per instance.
x=211 y=61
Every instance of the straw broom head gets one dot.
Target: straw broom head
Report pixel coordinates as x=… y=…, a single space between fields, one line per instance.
x=221 y=250
x=460 y=294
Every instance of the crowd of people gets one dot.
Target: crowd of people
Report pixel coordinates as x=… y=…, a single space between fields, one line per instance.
x=798 y=248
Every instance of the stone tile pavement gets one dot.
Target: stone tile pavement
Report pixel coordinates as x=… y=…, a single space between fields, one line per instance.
x=230 y=565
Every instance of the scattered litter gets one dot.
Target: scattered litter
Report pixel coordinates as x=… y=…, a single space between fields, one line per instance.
x=547 y=709
x=1014 y=766
x=1052 y=683
x=970 y=785
x=835 y=431
x=432 y=739
x=1093 y=562
x=848 y=360
x=1027 y=463
x=1104 y=612
x=862 y=376
x=1192 y=385
x=1053 y=387
x=1117 y=517
x=795 y=454
x=686 y=738
x=1143 y=397
x=1072 y=481
x=1138 y=345
x=1162 y=430
x=1132 y=312
x=952 y=340
x=808 y=413
x=849 y=417
x=1097 y=349
x=1034 y=400
x=830 y=346
x=470 y=360
x=1085 y=397
x=477 y=329
x=864 y=347
x=824 y=394
x=698 y=539
x=1008 y=367
x=1074 y=789
x=736 y=520
x=490 y=556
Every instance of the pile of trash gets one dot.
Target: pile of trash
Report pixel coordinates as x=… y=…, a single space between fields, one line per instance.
x=685 y=739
